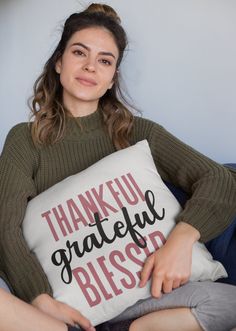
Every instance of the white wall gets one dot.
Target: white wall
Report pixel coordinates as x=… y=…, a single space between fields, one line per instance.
x=180 y=68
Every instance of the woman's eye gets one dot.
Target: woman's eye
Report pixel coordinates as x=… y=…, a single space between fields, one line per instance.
x=106 y=62
x=78 y=52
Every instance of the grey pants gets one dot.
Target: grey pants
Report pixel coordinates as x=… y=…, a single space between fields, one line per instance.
x=212 y=304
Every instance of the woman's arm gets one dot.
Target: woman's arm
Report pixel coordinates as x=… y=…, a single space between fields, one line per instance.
x=18 y=164
x=210 y=209
x=61 y=312
x=20 y=266
x=16 y=315
x=212 y=187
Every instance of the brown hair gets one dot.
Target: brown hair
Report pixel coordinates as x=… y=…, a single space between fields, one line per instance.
x=47 y=105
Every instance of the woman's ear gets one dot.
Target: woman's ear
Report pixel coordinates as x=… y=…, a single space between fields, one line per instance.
x=58 y=66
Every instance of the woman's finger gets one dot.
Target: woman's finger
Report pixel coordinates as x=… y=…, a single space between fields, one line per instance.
x=176 y=283
x=167 y=286
x=82 y=321
x=146 y=271
x=77 y=318
x=157 y=282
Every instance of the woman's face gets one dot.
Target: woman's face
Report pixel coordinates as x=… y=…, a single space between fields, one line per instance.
x=87 y=68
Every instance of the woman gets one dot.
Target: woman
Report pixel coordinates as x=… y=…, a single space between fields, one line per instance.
x=78 y=119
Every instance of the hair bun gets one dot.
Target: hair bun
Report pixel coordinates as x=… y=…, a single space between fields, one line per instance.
x=105 y=9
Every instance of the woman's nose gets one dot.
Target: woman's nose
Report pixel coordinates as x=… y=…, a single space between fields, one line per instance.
x=89 y=65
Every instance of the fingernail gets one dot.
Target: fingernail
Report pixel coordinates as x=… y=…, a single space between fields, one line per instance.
x=91 y=328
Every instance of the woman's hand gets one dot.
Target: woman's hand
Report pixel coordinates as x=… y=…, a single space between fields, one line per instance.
x=61 y=311
x=170 y=265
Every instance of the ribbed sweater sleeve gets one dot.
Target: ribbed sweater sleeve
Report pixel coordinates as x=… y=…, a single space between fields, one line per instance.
x=20 y=266
x=212 y=187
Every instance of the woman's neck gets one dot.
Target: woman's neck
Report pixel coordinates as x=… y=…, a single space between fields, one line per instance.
x=80 y=108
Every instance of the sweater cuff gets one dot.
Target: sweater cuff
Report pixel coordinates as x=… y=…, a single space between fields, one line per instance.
x=209 y=224
x=28 y=292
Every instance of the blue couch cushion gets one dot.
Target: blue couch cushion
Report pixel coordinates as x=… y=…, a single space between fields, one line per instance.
x=223 y=249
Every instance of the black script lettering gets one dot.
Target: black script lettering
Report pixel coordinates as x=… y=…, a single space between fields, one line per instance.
x=89 y=242
x=117 y=227
x=151 y=204
x=135 y=235
x=99 y=225
x=58 y=258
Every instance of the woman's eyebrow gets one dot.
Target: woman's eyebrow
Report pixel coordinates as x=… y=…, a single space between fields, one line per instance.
x=88 y=49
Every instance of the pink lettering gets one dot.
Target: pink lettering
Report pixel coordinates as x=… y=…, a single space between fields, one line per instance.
x=132 y=180
x=109 y=275
x=89 y=290
x=62 y=219
x=128 y=250
x=51 y=227
x=88 y=205
x=157 y=235
x=75 y=214
x=145 y=249
x=122 y=189
x=123 y=281
x=114 y=193
x=107 y=295
x=103 y=204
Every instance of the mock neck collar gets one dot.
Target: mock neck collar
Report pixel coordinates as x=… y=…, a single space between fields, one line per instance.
x=84 y=124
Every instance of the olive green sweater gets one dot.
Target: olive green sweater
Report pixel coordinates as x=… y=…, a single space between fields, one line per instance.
x=26 y=170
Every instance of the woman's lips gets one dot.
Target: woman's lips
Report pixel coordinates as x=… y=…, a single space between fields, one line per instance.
x=86 y=81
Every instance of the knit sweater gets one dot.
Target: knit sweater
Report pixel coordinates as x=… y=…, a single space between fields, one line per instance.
x=27 y=170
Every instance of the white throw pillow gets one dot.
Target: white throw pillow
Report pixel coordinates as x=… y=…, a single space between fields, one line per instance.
x=92 y=231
